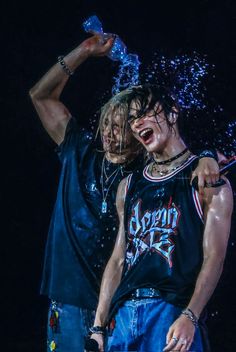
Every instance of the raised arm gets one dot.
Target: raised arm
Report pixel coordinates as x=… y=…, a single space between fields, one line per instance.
x=112 y=274
x=218 y=205
x=46 y=93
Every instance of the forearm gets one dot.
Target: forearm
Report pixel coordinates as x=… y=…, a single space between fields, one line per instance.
x=206 y=282
x=110 y=282
x=52 y=83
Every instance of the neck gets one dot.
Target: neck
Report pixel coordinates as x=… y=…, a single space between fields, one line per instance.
x=120 y=158
x=170 y=150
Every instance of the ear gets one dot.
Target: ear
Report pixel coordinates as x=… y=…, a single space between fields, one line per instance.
x=173 y=116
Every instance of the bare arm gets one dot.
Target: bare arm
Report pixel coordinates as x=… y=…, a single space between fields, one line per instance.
x=112 y=274
x=218 y=205
x=46 y=93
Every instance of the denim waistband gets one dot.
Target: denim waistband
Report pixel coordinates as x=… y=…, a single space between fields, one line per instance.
x=145 y=293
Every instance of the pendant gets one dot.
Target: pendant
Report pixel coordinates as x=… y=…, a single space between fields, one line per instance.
x=104 y=207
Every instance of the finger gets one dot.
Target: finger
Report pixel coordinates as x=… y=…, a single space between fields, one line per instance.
x=182 y=344
x=207 y=181
x=188 y=346
x=169 y=336
x=216 y=172
x=214 y=176
x=200 y=183
x=178 y=346
x=183 y=348
x=193 y=176
x=213 y=179
x=170 y=346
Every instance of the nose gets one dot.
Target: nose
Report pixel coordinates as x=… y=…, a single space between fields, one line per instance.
x=106 y=131
x=137 y=123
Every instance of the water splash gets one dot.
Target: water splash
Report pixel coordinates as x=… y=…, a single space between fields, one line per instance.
x=128 y=73
x=227 y=139
x=183 y=74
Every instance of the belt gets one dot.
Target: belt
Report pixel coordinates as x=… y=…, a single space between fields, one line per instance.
x=145 y=293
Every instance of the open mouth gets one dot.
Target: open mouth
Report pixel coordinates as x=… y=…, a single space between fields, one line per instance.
x=146 y=134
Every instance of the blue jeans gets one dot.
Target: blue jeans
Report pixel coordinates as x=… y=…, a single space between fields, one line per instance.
x=67 y=327
x=142 y=325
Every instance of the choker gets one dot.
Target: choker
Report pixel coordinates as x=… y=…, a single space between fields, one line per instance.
x=171 y=159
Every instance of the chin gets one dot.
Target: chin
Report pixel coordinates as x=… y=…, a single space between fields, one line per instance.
x=151 y=148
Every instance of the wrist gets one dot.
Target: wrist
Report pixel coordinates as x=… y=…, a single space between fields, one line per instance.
x=97 y=329
x=64 y=65
x=191 y=316
x=208 y=153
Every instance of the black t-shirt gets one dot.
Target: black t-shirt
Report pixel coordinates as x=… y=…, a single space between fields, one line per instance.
x=164 y=231
x=81 y=237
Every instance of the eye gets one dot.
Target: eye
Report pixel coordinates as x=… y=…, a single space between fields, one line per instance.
x=131 y=119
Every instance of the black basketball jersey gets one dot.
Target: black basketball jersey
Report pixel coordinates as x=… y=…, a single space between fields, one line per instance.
x=164 y=231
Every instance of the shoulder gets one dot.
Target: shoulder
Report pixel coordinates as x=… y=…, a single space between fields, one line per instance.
x=76 y=136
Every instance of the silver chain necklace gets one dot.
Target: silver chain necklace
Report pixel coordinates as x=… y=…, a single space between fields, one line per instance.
x=165 y=172
x=105 y=191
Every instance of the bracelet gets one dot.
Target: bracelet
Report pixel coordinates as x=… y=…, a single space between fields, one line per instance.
x=211 y=153
x=64 y=66
x=191 y=316
x=97 y=330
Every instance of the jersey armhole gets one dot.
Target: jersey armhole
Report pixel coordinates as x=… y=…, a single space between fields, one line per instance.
x=197 y=204
x=128 y=180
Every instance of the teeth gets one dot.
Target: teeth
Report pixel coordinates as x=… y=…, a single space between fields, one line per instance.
x=144 y=132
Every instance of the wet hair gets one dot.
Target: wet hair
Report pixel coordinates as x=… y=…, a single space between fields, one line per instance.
x=147 y=97
x=118 y=105
x=153 y=98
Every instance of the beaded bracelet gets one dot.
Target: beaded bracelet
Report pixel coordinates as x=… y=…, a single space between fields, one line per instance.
x=97 y=330
x=191 y=316
x=211 y=153
x=64 y=66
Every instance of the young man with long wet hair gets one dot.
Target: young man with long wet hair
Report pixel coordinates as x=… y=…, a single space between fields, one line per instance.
x=171 y=242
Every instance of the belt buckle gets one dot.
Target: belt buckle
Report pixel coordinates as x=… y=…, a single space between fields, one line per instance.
x=152 y=293
x=144 y=293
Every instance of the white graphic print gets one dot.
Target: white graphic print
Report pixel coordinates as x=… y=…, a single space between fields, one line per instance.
x=152 y=231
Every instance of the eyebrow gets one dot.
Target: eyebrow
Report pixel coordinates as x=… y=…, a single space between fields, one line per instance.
x=132 y=117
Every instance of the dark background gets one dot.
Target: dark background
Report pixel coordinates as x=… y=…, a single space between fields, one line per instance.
x=33 y=35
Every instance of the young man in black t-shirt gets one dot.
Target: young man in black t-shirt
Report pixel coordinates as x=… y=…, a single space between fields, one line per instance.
x=171 y=243
x=83 y=226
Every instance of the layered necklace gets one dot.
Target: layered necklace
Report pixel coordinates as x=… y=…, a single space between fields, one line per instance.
x=107 y=181
x=164 y=172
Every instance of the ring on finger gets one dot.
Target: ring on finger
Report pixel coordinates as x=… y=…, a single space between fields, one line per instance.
x=175 y=339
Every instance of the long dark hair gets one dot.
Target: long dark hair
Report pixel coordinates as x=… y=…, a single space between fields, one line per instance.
x=153 y=98
x=147 y=97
